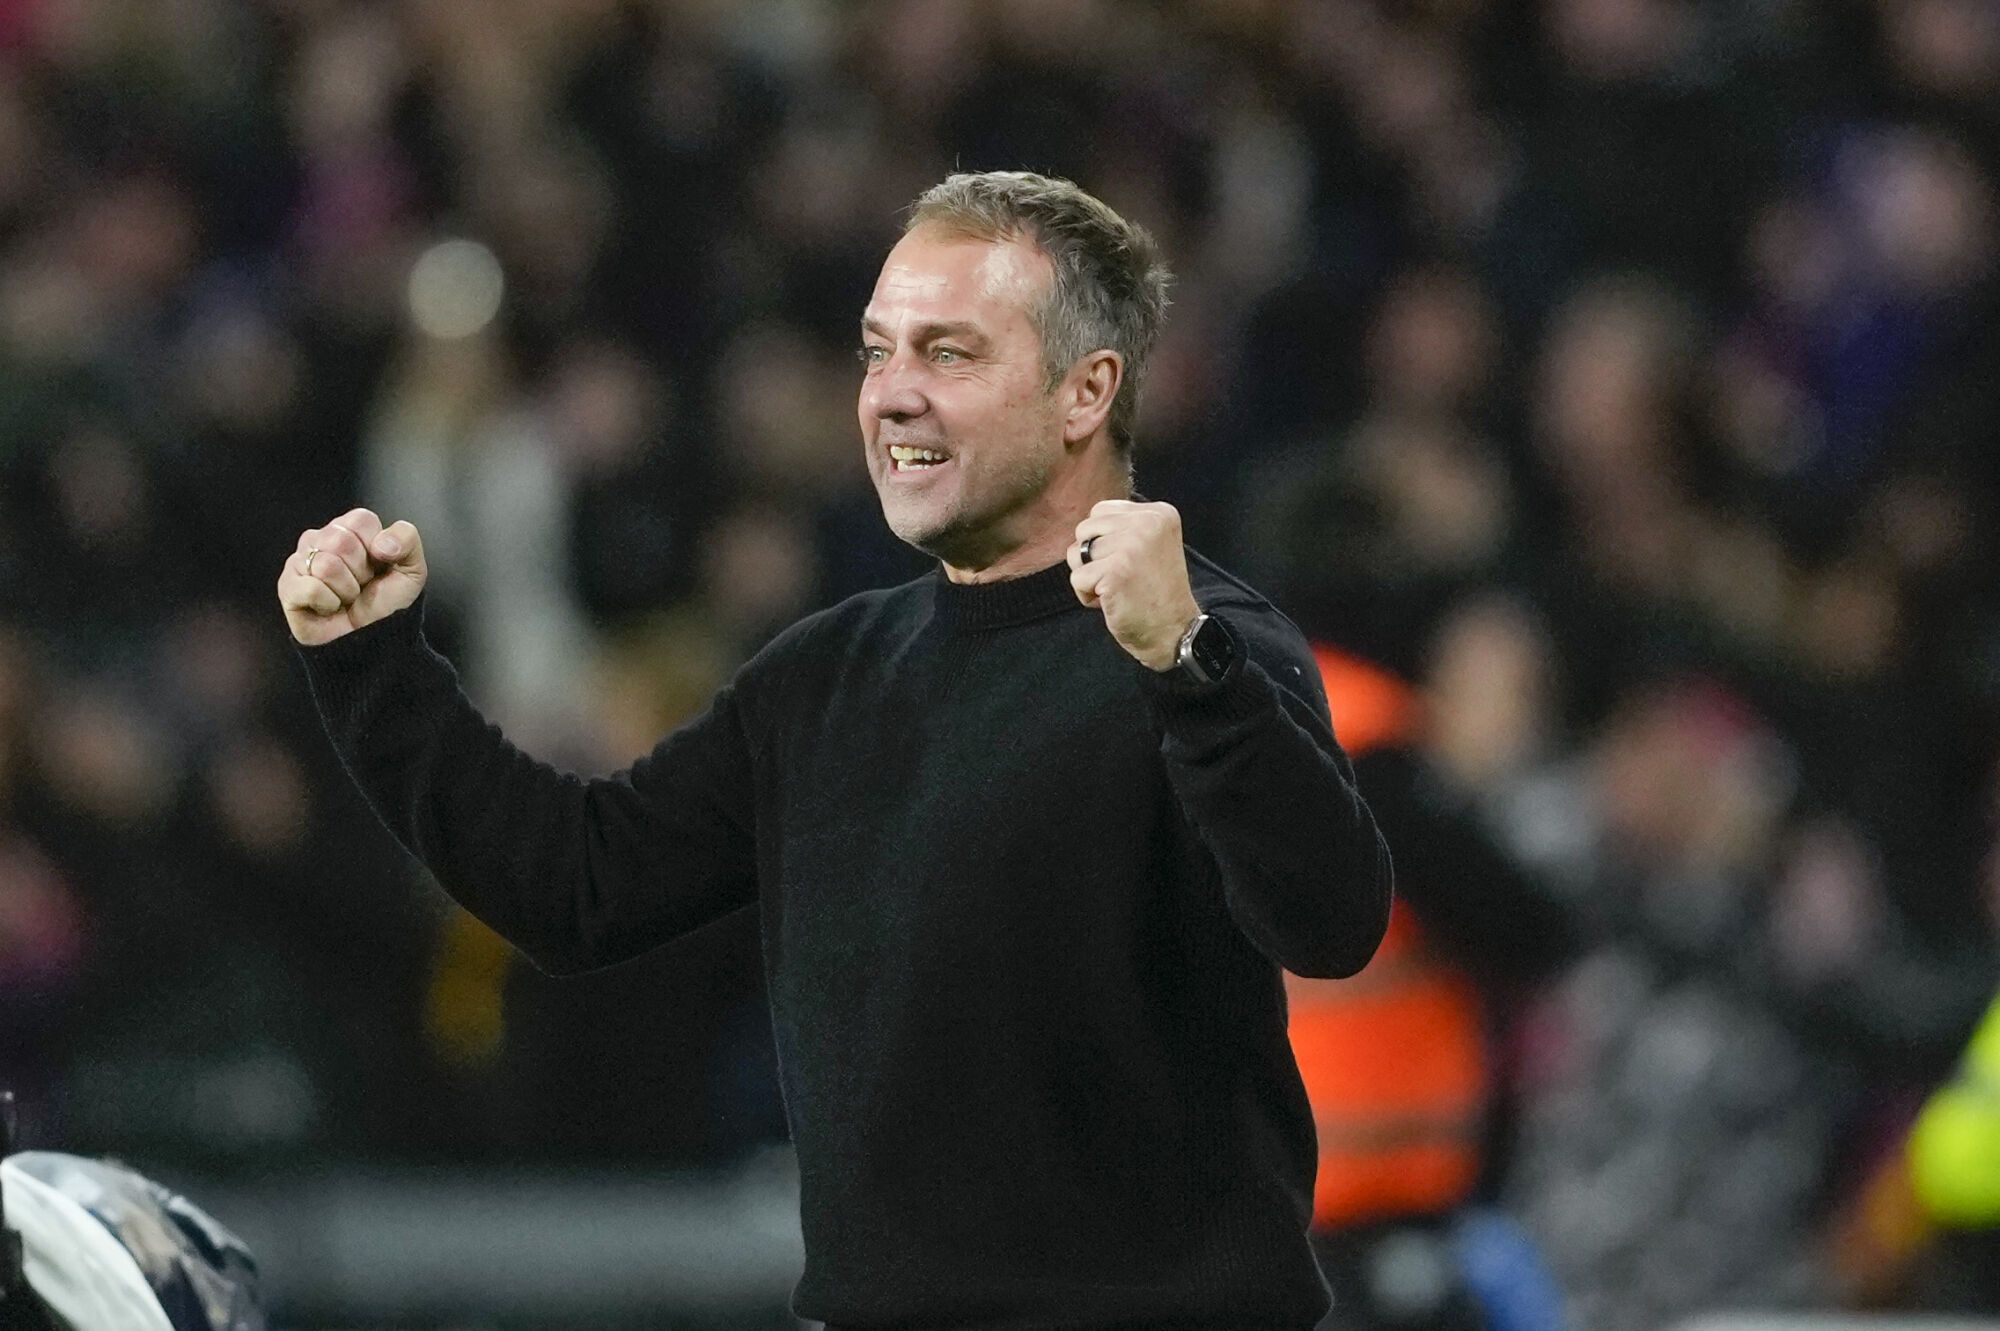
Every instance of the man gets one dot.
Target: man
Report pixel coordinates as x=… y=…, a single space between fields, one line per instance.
x=1030 y=837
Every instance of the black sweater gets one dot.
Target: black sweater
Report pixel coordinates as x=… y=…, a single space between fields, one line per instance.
x=1023 y=904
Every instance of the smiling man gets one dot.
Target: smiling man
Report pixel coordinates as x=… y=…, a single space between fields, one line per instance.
x=1030 y=837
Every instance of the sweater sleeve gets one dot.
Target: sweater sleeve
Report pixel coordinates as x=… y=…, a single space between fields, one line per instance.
x=1254 y=762
x=577 y=873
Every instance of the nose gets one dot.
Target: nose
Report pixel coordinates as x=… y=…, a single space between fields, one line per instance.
x=894 y=392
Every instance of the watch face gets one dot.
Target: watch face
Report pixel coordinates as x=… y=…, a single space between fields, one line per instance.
x=1212 y=649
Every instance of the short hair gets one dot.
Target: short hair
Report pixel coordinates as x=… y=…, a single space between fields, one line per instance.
x=1110 y=285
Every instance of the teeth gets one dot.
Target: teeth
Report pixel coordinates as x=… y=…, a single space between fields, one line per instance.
x=918 y=456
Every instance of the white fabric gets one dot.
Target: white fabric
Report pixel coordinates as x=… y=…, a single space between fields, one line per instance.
x=77 y=1266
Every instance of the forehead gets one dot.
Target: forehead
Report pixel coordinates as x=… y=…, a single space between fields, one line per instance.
x=937 y=274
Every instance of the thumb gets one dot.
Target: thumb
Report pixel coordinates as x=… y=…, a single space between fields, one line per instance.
x=399 y=547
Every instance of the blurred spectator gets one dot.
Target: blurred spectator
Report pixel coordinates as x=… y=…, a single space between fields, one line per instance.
x=455 y=447
x=1400 y=1061
x=1623 y=371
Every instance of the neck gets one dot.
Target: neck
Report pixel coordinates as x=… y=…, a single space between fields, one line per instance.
x=1042 y=531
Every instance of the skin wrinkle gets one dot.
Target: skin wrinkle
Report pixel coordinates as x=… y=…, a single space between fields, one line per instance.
x=1077 y=313
x=955 y=363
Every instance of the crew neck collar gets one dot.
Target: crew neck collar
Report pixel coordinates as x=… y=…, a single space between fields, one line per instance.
x=992 y=605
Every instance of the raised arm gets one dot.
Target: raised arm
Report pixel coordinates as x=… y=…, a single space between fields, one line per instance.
x=1251 y=755
x=576 y=873
x=1254 y=762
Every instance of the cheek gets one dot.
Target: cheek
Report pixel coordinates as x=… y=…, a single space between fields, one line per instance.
x=1019 y=412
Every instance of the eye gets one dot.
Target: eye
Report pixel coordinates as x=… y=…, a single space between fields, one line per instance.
x=947 y=355
x=871 y=355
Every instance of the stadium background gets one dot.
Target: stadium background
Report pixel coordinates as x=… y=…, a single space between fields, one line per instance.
x=1623 y=373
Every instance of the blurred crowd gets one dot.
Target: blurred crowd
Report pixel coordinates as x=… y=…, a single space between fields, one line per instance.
x=1624 y=374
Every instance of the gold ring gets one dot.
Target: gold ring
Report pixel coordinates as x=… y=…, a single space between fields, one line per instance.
x=308 y=565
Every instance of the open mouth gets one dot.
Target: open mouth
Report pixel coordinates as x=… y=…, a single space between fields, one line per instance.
x=903 y=458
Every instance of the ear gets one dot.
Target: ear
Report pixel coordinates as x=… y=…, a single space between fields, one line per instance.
x=1088 y=392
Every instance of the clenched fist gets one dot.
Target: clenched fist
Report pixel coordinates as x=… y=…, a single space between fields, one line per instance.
x=1137 y=575
x=348 y=574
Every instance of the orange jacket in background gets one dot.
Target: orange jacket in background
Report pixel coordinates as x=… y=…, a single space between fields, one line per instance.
x=1394 y=1059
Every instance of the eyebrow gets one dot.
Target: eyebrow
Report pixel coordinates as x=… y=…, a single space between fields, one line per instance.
x=927 y=332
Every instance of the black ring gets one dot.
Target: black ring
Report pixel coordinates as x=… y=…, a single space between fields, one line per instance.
x=1088 y=541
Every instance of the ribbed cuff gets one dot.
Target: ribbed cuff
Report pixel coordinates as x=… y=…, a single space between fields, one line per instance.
x=338 y=670
x=1176 y=698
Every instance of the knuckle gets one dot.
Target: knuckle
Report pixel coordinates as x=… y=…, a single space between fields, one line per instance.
x=344 y=544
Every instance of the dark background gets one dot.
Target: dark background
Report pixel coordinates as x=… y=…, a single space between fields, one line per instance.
x=1623 y=372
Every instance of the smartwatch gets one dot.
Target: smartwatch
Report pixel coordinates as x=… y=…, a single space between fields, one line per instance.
x=1206 y=652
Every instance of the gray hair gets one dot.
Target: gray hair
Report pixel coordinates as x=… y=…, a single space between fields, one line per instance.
x=1110 y=287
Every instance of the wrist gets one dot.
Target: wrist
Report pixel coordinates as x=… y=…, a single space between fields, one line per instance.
x=1168 y=657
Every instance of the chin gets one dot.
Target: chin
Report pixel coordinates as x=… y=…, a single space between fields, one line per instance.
x=938 y=542
x=937 y=535
x=919 y=529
